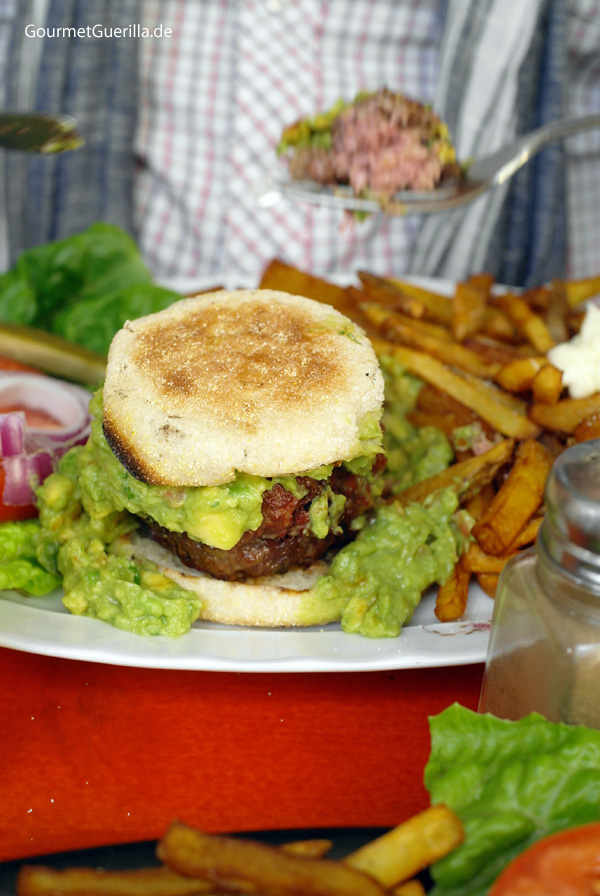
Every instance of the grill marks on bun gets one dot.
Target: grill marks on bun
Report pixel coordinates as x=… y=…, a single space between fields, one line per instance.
x=254 y=381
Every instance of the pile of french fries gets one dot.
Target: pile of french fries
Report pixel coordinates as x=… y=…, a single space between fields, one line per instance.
x=482 y=357
x=193 y=862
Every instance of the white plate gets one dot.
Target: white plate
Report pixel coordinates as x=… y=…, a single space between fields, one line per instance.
x=43 y=626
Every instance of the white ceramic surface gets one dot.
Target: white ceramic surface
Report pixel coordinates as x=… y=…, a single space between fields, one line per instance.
x=43 y=626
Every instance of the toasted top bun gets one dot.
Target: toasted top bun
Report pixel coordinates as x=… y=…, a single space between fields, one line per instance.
x=255 y=381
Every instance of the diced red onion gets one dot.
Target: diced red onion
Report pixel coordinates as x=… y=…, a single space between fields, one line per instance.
x=30 y=454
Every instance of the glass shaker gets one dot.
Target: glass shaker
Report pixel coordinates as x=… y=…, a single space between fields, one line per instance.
x=544 y=650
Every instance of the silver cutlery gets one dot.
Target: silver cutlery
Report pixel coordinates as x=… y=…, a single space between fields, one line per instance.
x=32 y=132
x=480 y=175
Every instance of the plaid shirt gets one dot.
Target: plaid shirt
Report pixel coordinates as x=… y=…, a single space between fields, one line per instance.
x=215 y=97
x=212 y=100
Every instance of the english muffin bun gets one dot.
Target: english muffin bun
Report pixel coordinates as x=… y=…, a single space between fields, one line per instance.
x=254 y=381
x=277 y=601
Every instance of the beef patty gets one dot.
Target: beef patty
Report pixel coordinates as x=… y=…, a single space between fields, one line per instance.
x=283 y=539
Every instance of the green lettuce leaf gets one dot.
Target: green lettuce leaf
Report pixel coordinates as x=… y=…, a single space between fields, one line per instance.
x=511 y=783
x=83 y=287
x=19 y=567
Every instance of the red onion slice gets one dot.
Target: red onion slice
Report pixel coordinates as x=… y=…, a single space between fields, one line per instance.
x=30 y=454
x=12 y=434
x=22 y=475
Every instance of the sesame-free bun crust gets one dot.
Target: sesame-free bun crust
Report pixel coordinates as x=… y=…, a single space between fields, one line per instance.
x=275 y=601
x=255 y=381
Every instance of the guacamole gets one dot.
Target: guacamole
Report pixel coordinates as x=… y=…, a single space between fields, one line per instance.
x=216 y=515
x=375 y=582
x=383 y=573
x=99 y=579
x=20 y=569
x=413 y=454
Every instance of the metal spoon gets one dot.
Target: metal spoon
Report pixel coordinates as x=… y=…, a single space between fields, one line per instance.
x=481 y=175
x=31 y=132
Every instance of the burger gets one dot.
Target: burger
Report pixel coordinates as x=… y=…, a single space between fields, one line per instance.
x=242 y=429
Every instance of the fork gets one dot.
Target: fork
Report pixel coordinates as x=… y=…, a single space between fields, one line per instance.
x=33 y=132
x=480 y=175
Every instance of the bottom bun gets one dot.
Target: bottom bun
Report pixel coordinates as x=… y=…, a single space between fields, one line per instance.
x=269 y=601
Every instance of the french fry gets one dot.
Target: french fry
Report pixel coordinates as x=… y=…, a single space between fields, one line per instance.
x=383 y=867
x=477 y=561
x=547 y=385
x=437 y=307
x=488 y=582
x=518 y=498
x=408 y=848
x=281 y=276
x=552 y=443
x=519 y=374
x=468 y=309
x=447 y=422
x=39 y=880
x=411 y=888
x=393 y=326
x=316 y=847
x=430 y=398
x=494 y=350
x=579 y=291
x=557 y=312
x=486 y=400
x=483 y=281
x=538 y=298
x=479 y=503
x=588 y=428
x=399 y=320
x=527 y=322
x=528 y=533
x=451 y=599
x=566 y=414
x=575 y=321
x=269 y=870
x=467 y=476
x=389 y=296
x=437 y=408
x=498 y=326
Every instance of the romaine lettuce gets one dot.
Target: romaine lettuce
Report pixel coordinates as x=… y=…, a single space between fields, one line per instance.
x=511 y=783
x=83 y=287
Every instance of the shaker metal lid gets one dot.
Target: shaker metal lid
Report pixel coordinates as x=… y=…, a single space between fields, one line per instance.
x=573 y=495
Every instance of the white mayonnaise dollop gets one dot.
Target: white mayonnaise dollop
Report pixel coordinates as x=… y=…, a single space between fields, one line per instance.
x=579 y=359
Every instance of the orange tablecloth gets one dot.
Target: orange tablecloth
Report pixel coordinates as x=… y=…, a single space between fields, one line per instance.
x=94 y=754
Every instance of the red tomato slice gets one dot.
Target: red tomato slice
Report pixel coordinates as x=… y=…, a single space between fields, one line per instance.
x=9 y=364
x=10 y=513
x=563 y=864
